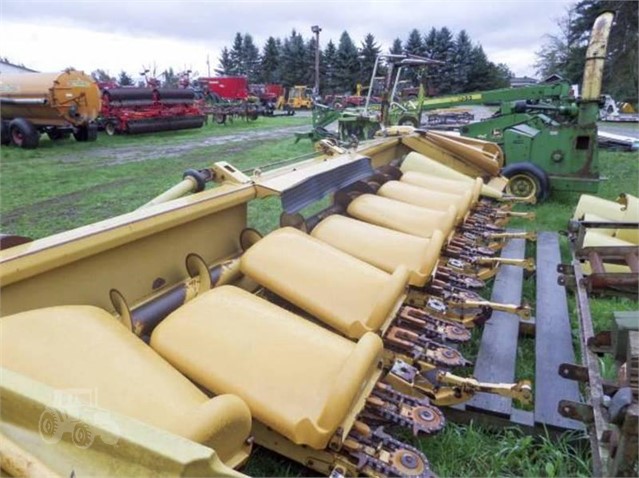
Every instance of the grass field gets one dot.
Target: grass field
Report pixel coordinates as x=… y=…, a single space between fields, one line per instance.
x=66 y=185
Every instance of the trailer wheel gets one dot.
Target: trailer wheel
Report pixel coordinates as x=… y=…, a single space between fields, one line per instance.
x=86 y=133
x=24 y=134
x=220 y=118
x=5 y=136
x=526 y=179
x=110 y=129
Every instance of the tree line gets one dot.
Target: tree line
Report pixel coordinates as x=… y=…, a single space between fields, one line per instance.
x=291 y=61
x=564 y=52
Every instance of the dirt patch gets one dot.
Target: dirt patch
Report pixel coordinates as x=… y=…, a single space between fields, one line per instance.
x=110 y=156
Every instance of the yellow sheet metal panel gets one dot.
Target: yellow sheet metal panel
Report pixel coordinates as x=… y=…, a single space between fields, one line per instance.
x=402 y=217
x=604 y=208
x=449 y=186
x=84 y=347
x=423 y=164
x=110 y=444
x=382 y=247
x=342 y=291
x=153 y=242
x=297 y=377
x=419 y=196
x=487 y=157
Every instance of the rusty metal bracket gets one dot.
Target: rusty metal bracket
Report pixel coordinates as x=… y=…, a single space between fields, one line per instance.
x=571 y=371
x=576 y=411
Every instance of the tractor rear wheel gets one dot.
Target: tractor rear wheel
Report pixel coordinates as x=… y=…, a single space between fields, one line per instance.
x=526 y=179
x=24 y=134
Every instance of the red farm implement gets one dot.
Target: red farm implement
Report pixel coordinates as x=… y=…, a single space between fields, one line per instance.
x=145 y=110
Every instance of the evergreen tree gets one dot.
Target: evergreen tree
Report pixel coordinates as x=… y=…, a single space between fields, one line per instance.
x=396 y=47
x=414 y=46
x=368 y=54
x=329 y=65
x=124 y=79
x=294 y=62
x=480 y=76
x=236 y=56
x=269 y=71
x=444 y=49
x=347 y=64
x=250 y=59
x=225 y=67
x=432 y=74
x=461 y=62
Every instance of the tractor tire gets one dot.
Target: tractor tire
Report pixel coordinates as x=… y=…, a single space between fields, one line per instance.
x=408 y=121
x=92 y=132
x=526 y=179
x=86 y=133
x=5 y=136
x=24 y=134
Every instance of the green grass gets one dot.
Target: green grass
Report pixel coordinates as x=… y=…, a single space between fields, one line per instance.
x=67 y=184
x=475 y=451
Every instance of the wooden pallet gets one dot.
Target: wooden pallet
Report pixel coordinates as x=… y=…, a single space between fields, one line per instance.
x=497 y=355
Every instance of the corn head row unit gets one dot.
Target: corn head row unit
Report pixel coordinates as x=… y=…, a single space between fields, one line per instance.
x=311 y=340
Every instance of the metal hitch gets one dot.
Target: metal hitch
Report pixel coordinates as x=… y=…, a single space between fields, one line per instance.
x=522 y=311
x=531 y=216
x=527 y=264
x=532 y=199
x=520 y=391
x=446 y=389
x=530 y=235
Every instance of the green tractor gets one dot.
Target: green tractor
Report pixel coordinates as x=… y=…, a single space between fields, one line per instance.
x=549 y=137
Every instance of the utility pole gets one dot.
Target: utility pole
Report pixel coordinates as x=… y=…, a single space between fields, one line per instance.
x=316 y=29
x=208 y=65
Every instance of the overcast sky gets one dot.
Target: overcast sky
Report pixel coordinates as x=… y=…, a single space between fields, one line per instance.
x=125 y=35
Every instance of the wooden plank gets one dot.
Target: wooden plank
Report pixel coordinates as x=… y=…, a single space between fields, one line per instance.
x=498 y=349
x=553 y=341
